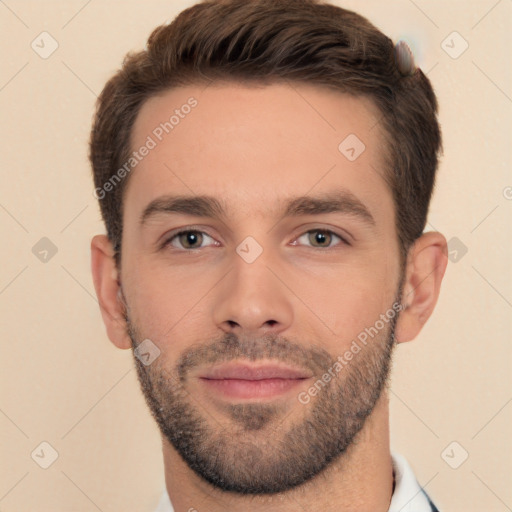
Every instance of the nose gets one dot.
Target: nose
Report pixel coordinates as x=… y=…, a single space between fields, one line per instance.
x=252 y=299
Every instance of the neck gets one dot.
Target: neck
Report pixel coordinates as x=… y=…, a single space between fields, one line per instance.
x=361 y=479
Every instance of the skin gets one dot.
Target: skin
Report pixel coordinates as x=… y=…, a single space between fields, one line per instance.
x=252 y=148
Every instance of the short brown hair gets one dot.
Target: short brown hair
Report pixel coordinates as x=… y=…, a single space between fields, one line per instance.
x=265 y=41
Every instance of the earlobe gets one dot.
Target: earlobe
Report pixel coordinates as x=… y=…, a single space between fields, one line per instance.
x=426 y=266
x=108 y=290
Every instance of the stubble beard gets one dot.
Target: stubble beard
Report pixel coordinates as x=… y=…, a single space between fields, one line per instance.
x=255 y=451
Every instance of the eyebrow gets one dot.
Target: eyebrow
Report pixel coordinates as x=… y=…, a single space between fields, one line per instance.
x=341 y=201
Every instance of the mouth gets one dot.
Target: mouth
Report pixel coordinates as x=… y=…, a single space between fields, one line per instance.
x=244 y=381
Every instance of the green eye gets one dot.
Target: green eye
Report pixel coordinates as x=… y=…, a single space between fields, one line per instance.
x=188 y=239
x=321 y=238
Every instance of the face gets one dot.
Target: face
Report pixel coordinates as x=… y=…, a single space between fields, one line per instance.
x=260 y=258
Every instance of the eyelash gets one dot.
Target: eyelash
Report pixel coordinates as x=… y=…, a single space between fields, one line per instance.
x=169 y=241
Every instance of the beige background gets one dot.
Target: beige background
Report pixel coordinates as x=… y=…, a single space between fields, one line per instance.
x=63 y=382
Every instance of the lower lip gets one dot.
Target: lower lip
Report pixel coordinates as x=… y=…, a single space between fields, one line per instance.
x=238 y=388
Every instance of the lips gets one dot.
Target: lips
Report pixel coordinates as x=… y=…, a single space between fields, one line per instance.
x=235 y=381
x=250 y=372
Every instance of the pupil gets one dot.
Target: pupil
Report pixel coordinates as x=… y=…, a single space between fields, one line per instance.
x=320 y=237
x=190 y=238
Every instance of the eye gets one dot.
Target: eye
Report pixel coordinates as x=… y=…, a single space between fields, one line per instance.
x=322 y=237
x=188 y=239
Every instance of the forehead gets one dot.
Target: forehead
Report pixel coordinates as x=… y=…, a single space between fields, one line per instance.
x=252 y=146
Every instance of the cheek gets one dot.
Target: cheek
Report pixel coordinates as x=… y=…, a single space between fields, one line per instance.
x=347 y=305
x=168 y=306
x=345 y=302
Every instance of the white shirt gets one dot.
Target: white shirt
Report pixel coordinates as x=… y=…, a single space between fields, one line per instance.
x=408 y=496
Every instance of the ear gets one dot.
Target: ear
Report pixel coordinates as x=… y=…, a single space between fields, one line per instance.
x=426 y=265
x=108 y=290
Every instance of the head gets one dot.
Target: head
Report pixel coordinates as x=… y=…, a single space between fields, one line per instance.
x=299 y=150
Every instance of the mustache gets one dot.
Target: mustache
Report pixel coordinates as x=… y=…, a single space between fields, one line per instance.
x=269 y=346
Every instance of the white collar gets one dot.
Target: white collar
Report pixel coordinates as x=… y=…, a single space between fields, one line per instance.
x=408 y=496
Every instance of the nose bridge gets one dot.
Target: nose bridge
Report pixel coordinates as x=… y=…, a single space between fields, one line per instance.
x=252 y=298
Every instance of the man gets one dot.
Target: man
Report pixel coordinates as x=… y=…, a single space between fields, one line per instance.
x=264 y=171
